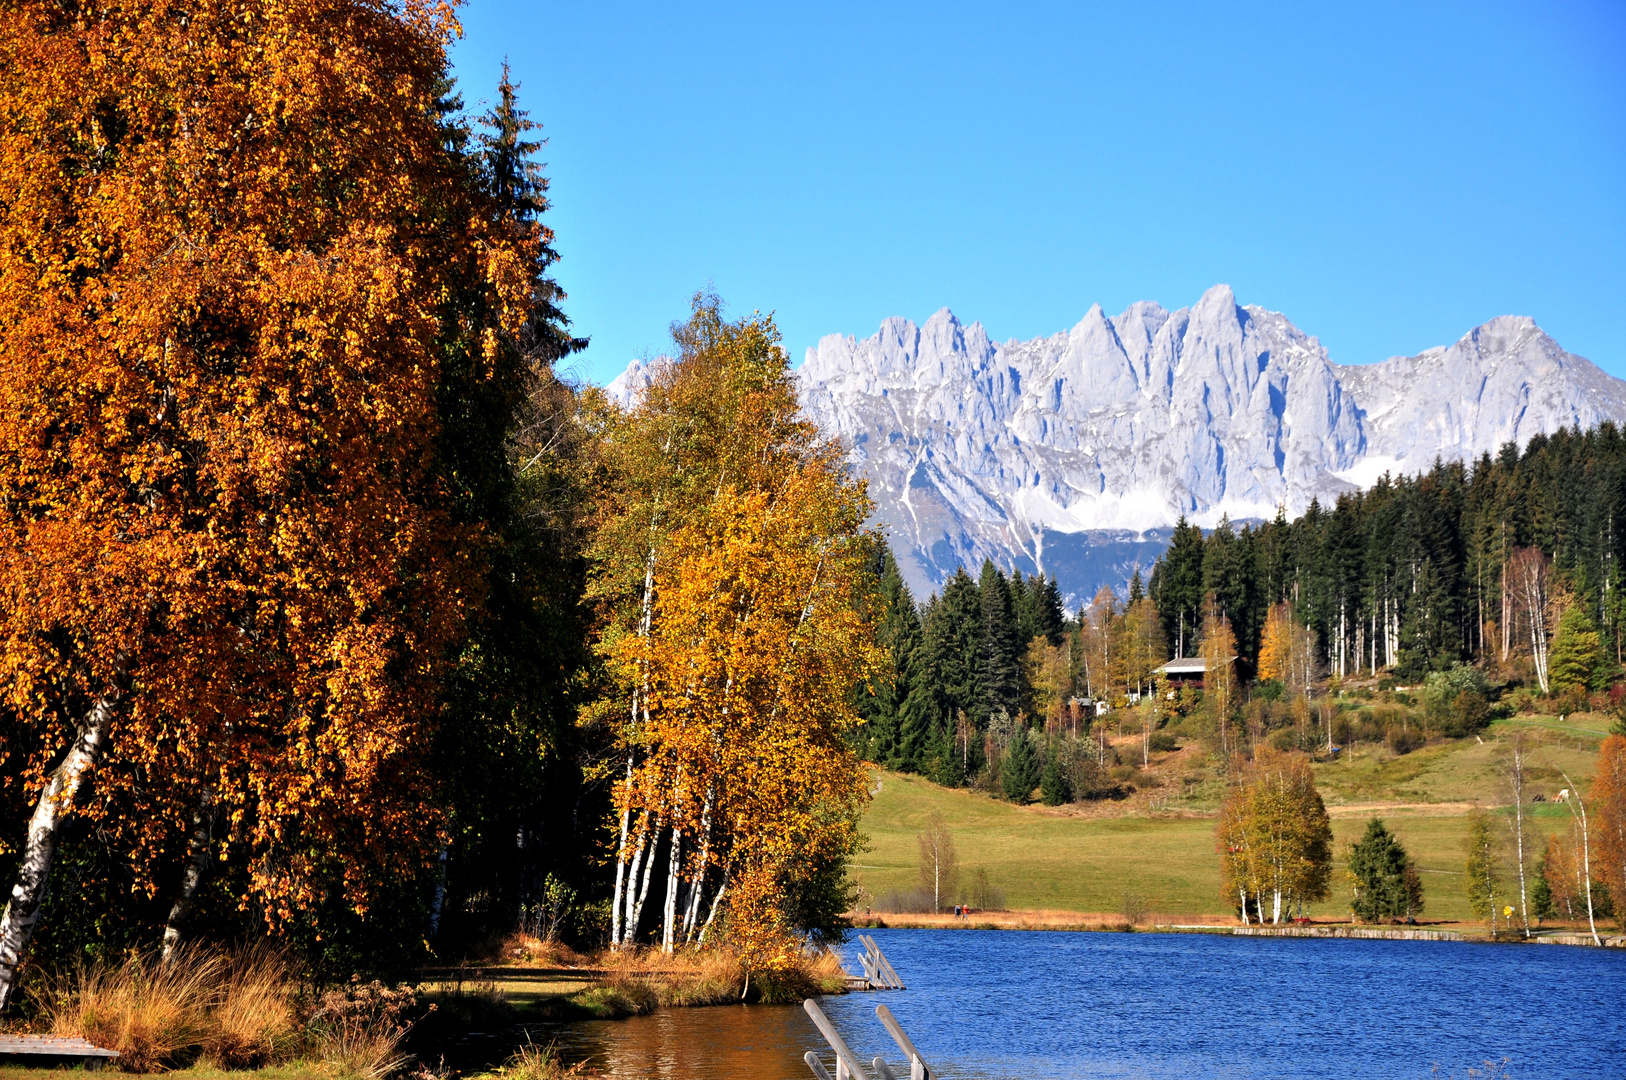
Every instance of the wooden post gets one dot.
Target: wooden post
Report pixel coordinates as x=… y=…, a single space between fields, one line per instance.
x=816 y=1065
x=918 y=1069
x=844 y=1054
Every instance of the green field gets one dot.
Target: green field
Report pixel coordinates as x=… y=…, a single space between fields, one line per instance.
x=1086 y=859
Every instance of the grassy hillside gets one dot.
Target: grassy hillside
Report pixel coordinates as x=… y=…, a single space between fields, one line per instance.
x=1160 y=842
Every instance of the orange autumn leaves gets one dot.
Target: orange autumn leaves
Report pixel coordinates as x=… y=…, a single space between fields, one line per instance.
x=235 y=257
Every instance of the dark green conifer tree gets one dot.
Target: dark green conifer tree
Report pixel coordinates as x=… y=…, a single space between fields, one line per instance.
x=943 y=681
x=1051 y=620
x=999 y=686
x=1387 y=886
x=1053 y=787
x=1019 y=771
x=1575 y=655
x=1541 y=893
x=1177 y=588
x=1024 y=608
x=898 y=632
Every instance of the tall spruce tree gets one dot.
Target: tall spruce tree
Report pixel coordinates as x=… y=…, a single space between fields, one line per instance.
x=1387 y=885
x=944 y=680
x=1019 y=771
x=999 y=687
x=1177 y=587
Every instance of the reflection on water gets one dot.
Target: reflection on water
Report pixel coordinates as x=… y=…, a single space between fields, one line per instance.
x=1000 y=1005
x=758 y=1042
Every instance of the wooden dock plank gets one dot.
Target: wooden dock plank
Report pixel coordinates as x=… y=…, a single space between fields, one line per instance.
x=53 y=1045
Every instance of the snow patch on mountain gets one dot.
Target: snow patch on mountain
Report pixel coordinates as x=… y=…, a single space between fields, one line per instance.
x=1099 y=437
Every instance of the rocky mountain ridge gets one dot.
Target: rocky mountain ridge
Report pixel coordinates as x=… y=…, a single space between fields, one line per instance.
x=1074 y=453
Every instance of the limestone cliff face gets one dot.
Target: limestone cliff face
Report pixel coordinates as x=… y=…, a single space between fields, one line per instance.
x=1073 y=453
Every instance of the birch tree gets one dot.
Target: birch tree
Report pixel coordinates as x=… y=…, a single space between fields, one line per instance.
x=737 y=651
x=1274 y=837
x=1532 y=588
x=241 y=274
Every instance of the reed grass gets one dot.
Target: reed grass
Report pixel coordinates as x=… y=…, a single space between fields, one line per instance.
x=205 y=1008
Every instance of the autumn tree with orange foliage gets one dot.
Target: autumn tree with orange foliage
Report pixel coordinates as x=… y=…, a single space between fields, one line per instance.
x=244 y=283
x=1609 y=825
x=729 y=564
x=1287 y=651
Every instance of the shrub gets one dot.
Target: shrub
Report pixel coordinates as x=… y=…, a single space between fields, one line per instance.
x=1572 y=699
x=1402 y=740
x=983 y=894
x=1163 y=742
x=1441 y=691
x=1470 y=713
x=359 y=1028
x=905 y=902
x=1133 y=908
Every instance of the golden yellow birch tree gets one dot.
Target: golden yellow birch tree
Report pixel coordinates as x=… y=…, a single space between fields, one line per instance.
x=746 y=644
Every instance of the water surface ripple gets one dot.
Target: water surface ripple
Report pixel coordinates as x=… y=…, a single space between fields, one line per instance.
x=1001 y=1005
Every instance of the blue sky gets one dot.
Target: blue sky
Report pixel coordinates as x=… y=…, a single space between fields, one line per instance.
x=1387 y=175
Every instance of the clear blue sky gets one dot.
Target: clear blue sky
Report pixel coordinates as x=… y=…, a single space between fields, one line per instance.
x=1387 y=175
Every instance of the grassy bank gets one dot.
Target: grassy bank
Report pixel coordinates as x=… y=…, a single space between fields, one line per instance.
x=546 y=982
x=212 y=1015
x=1158 y=844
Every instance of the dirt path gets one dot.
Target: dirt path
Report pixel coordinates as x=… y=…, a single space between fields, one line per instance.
x=1439 y=809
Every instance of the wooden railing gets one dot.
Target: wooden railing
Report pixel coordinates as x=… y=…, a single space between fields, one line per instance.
x=877 y=971
x=847 y=1064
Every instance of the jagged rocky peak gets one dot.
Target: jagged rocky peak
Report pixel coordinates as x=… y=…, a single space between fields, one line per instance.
x=1073 y=453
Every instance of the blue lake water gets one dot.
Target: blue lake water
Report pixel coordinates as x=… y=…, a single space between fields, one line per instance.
x=994 y=1005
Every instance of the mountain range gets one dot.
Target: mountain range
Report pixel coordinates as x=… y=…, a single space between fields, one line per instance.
x=1074 y=454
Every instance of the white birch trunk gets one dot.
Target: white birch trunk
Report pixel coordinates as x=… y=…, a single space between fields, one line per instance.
x=716 y=902
x=698 y=888
x=629 y=926
x=1518 y=829
x=643 y=889
x=1586 y=857
x=56 y=805
x=197 y=863
x=674 y=867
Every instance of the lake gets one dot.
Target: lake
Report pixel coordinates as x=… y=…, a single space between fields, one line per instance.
x=1038 y=1005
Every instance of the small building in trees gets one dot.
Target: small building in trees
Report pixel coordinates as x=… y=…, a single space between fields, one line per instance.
x=1188 y=671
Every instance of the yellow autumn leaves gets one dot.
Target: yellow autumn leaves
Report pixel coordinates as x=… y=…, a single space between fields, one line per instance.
x=731 y=560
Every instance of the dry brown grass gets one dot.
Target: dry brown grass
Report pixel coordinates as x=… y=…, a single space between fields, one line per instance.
x=523 y=948
x=358 y=1029
x=641 y=980
x=255 y=1018
x=151 y=1012
x=229 y=1011
x=1036 y=920
x=533 y=1062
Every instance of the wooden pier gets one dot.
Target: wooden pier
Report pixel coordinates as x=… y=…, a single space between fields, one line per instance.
x=55 y=1046
x=878 y=972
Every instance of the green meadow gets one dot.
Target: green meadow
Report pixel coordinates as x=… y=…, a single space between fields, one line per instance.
x=1087 y=857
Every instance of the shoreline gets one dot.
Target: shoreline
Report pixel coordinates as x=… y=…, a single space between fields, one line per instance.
x=1103 y=922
